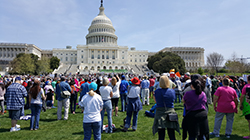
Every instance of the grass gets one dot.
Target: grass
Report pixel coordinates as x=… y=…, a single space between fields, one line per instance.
x=72 y=129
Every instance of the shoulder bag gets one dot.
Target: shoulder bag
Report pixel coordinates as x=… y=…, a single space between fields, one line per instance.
x=173 y=116
x=64 y=94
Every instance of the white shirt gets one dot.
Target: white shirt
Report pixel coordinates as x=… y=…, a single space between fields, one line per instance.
x=134 y=92
x=115 y=89
x=47 y=87
x=105 y=92
x=92 y=107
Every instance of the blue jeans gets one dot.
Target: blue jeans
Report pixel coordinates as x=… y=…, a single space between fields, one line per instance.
x=35 y=113
x=177 y=96
x=49 y=103
x=73 y=99
x=128 y=119
x=96 y=127
x=107 y=105
x=123 y=102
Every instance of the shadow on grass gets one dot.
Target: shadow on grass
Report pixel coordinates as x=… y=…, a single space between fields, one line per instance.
x=48 y=120
x=223 y=137
x=2 y=130
x=78 y=133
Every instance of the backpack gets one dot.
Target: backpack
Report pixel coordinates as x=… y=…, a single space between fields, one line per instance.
x=123 y=88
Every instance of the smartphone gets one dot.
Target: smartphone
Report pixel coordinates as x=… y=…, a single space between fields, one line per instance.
x=248 y=91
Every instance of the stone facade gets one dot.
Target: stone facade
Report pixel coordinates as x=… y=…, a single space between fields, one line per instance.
x=8 y=51
x=101 y=50
x=192 y=56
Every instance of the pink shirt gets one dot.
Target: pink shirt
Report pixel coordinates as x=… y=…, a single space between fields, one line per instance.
x=226 y=103
x=152 y=82
x=244 y=89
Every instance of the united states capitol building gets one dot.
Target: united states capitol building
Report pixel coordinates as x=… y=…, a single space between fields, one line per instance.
x=101 y=52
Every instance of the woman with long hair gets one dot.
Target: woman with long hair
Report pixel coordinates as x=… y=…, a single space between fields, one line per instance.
x=164 y=98
x=36 y=95
x=115 y=85
x=107 y=94
x=196 y=122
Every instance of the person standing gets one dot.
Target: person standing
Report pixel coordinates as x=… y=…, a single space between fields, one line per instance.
x=195 y=121
x=225 y=103
x=242 y=97
x=15 y=94
x=151 y=86
x=145 y=90
x=36 y=95
x=92 y=104
x=134 y=105
x=123 y=92
x=106 y=94
x=215 y=84
x=84 y=88
x=2 y=92
x=73 y=97
x=62 y=86
x=164 y=98
x=115 y=84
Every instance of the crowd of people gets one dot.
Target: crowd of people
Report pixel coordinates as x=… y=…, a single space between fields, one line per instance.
x=96 y=94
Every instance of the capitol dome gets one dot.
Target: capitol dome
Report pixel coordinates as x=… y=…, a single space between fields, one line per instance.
x=101 y=30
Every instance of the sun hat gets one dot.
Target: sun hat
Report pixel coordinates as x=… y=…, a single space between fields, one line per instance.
x=135 y=81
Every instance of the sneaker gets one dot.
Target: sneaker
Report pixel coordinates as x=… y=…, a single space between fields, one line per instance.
x=14 y=129
x=228 y=136
x=18 y=126
x=216 y=135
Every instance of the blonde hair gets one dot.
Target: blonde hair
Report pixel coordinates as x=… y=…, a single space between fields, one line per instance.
x=105 y=81
x=113 y=81
x=164 y=82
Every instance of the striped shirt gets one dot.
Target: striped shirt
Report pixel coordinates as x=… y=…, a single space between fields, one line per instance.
x=15 y=94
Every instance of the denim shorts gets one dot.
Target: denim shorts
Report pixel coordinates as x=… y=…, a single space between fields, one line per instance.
x=151 y=89
x=15 y=114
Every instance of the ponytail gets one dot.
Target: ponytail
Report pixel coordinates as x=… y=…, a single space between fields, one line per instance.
x=198 y=86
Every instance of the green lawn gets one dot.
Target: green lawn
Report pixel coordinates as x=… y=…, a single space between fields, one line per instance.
x=50 y=128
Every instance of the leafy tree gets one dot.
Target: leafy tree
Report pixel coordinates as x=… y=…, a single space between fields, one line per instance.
x=43 y=66
x=164 y=61
x=200 y=71
x=214 y=60
x=54 y=62
x=235 y=64
x=23 y=64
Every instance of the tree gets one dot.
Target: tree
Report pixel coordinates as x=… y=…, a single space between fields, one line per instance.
x=235 y=65
x=23 y=64
x=54 y=62
x=214 y=60
x=200 y=71
x=164 y=61
x=43 y=66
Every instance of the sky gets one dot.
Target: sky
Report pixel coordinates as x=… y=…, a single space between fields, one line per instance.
x=221 y=26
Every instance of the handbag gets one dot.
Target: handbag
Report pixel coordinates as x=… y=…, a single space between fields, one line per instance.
x=173 y=116
x=64 y=94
